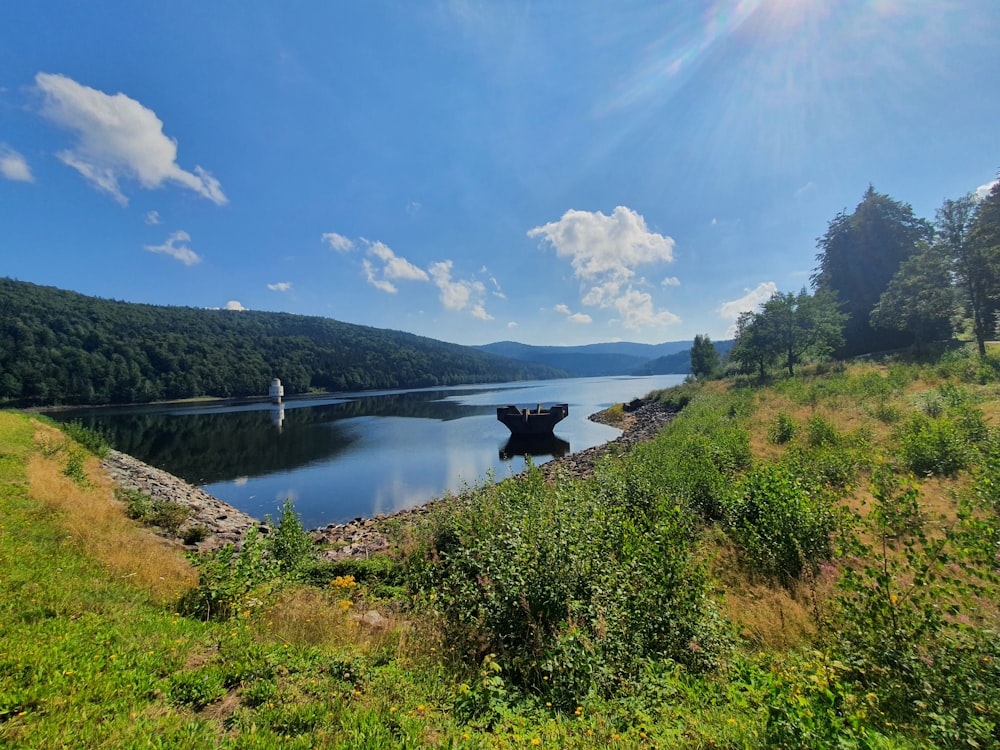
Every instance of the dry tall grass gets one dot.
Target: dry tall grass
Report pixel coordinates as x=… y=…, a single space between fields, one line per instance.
x=95 y=521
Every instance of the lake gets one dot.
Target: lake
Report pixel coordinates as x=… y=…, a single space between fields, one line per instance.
x=344 y=456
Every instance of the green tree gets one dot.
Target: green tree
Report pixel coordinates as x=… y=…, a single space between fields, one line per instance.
x=979 y=266
x=975 y=272
x=920 y=298
x=704 y=357
x=752 y=350
x=800 y=325
x=859 y=255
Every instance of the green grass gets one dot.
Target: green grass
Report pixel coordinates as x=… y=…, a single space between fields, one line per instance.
x=659 y=604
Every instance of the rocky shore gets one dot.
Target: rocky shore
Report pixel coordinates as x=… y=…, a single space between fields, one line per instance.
x=222 y=523
x=361 y=537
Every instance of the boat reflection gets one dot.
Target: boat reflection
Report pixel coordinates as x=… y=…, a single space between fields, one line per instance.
x=534 y=445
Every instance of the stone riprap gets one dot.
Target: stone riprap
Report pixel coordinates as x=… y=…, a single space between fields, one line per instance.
x=361 y=537
x=222 y=522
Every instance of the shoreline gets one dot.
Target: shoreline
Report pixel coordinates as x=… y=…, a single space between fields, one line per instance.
x=360 y=537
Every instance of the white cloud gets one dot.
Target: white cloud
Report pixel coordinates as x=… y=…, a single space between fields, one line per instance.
x=602 y=246
x=571 y=316
x=176 y=247
x=671 y=281
x=983 y=190
x=281 y=286
x=497 y=291
x=234 y=305
x=338 y=242
x=395 y=267
x=13 y=166
x=380 y=284
x=479 y=311
x=512 y=324
x=605 y=252
x=749 y=301
x=459 y=295
x=637 y=311
x=392 y=266
x=153 y=217
x=118 y=138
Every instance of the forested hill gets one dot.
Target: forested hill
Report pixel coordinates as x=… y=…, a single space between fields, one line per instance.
x=60 y=347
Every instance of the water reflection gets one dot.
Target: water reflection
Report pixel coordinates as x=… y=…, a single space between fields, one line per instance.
x=343 y=456
x=534 y=446
x=209 y=443
x=278 y=416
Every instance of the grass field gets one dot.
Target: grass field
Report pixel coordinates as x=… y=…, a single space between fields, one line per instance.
x=809 y=563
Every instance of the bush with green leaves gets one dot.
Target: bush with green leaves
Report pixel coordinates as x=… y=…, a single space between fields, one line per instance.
x=693 y=461
x=164 y=514
x=287 y=541
x=569 y=592
x=90 y=439
x=228 y=577
x=781 y=430
x=820 y=433
x=912 y=623
x=782 y=522
x=811 y=703
x=933 y=446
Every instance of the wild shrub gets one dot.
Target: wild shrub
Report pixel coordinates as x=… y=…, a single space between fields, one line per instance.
x=781 y=430
x=287 y=541
x=811 y=703
x=910 y=627
x=570 y=593
x=678 y=397
x=141 y=507
x=933 y=446
x=820 y=432
x=692 y=461
x=986 y=477
x=782 y=523
x=90 y=439
x=228 y=577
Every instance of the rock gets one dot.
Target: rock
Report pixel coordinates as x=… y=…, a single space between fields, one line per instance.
x=224 y=523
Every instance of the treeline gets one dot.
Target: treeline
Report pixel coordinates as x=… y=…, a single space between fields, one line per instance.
x=886 y=280
x=60 y=347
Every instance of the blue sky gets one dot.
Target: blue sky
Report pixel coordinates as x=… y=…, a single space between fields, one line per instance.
x=556 y=173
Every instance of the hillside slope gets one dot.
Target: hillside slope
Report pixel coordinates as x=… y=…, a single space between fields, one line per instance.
x=60 y=347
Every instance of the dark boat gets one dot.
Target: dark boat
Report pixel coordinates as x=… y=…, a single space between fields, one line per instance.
x=529 y=421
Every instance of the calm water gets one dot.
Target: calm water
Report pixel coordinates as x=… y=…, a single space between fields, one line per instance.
x=344 y=456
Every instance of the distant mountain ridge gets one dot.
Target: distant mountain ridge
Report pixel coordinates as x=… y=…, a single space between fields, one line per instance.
x=611 y=358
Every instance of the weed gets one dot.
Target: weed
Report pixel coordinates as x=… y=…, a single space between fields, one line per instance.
x=781 y=430
x=90 y=439
x=288 y=542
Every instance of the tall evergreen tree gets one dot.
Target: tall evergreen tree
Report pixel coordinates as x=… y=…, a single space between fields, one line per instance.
x=859 y=255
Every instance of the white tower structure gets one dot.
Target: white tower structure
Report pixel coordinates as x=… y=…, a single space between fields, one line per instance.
x=276 y=391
